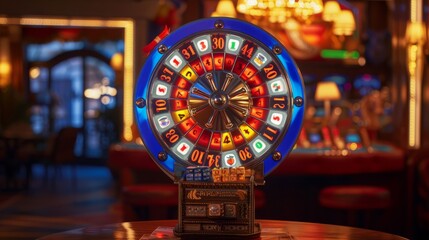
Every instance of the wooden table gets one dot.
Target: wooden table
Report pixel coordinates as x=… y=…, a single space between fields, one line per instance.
x=271 y=229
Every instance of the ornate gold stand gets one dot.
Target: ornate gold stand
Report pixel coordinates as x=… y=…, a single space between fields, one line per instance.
x=208 y=209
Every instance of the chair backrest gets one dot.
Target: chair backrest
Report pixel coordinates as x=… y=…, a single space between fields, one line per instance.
x=64 y=146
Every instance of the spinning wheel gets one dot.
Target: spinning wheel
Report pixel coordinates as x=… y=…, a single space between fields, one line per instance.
x=220 y=93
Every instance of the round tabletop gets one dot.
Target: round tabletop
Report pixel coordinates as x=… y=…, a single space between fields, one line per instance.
x=271 y=229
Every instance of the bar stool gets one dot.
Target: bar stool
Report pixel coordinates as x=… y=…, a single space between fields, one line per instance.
x=356 y=200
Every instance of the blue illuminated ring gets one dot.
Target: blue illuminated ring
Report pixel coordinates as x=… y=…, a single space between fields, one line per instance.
x=211 y=25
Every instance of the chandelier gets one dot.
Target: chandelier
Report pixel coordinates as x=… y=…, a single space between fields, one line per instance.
x=276 y=13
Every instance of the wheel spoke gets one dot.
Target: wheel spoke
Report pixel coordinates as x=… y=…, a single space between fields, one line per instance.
x=242 y=110
x=238 y=92
x=209 y=78
x=197 y=109
x=227 y=81
x=213 y=117
x=200 y=93
x=226 y=120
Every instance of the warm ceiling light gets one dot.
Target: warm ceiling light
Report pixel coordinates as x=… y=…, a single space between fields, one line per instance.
x=4 y=74
x=117 y=61
x=4 y=68
x=332 y=9
x=305 y=8
x=34 y=72
x=225 y=8
x=344 y=23
x=416 y=32
x=277 y=11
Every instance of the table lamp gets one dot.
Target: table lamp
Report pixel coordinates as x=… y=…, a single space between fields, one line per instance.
x=326 y=92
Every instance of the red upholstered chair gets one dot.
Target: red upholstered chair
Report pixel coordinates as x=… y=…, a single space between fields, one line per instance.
x=145 y=191
x=356 y=200
x=130 y=164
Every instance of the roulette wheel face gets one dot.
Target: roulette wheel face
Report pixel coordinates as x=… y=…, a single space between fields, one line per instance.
x=221 y=93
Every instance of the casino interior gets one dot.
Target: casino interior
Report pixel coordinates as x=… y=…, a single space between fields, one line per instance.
x=71 y=153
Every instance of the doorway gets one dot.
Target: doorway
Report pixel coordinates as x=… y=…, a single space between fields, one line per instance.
x=72 y=82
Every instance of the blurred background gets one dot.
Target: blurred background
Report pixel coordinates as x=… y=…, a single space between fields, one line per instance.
x=68 y=135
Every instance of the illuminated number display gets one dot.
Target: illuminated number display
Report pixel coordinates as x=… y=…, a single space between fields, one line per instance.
x=220 y=97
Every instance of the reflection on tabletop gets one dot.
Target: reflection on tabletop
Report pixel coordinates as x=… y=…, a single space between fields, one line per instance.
x=270 y=229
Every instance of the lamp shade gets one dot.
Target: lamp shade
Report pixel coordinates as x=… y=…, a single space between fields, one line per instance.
x=327 y=91
x=331 y=10
x=225 y=8
x=344 y=23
